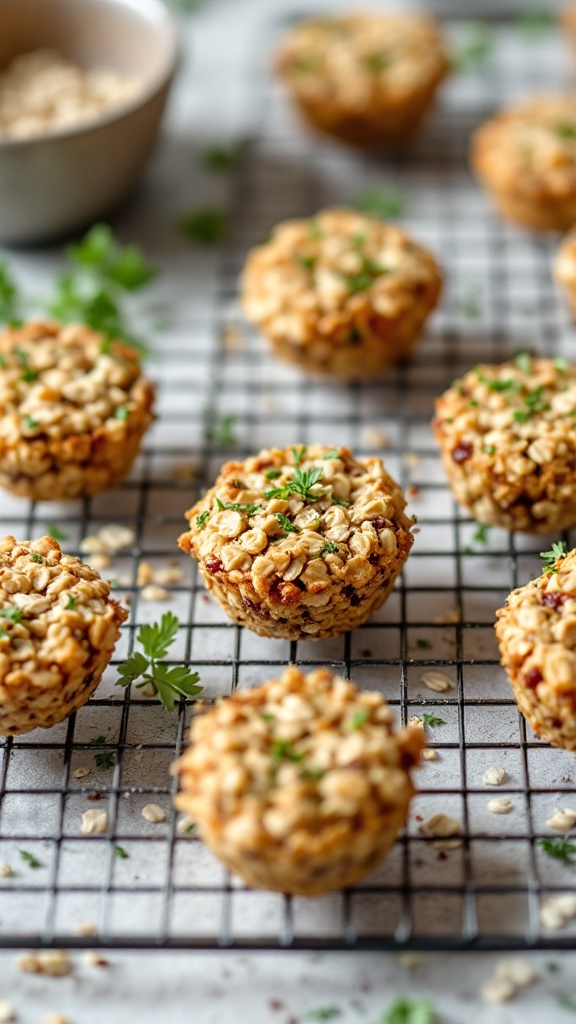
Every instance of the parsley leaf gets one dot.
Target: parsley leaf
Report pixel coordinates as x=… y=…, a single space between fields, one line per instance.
x=475 y=50
x=333 y=454
x=285 y=523
x=204 y=227
x=29 y=859
x=201 y=520
x=237 y=506
x=566 y=130
x=362 y=279
x=549 y=558
x=55 y=533
x=105 y=759
x=272 y=474
x=9 y=296
x=561 y=364
x=70 y=602
x=298 y=454
x=305 y=261
x=358 y=719
x=496 y=384
x=170 y=683
x=121 y=412
x=283 y=749
x=566 y=1001
x=220 y=431
x=431 y=720
x=561 y=849
x=409 y=1011
x=302 y=483
x=381 y=202
x=224 y=158
x=324 y=1013
x=11 y=613
x=30 y=423
x=330 y=548
x=523 y=360
x=36 y=557
x=121 y=853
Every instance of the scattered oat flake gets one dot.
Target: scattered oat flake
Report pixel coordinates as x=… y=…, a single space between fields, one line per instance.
x=498 y=990
x=5 y=870
x=94 y=959
x=448 y=618
x=80 y=773
x=98 y=561
x=85 y=928
x=54 y=962
x=7 y=1012
x=437 y=681
x=115 y=537
x=447 y=830
x=562 y=820
x=94 y=821
x=154 y=593
x=558 y=911
x=168 y=577
x=415 y=720
x=233 y=337
x=411 y=460
x=494 y=775
x=93 y=545
x=185 y=825
x=145 y=574
x=429 y=754
x=517 y=971
x=370 y=437
x=55 y=1018
x=154 y=813
x=500 y=805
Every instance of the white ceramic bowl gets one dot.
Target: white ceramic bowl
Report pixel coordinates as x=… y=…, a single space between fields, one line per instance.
x=53 y=185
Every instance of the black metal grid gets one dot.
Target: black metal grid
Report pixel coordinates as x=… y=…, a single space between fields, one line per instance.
x=170 y=892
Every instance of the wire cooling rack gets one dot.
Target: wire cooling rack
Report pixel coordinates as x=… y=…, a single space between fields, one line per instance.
x=169 y=891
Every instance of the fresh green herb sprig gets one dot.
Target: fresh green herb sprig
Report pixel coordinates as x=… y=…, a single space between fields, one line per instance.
x=329 y=548
x=10 y=299
x=475 y=50
x=363 y=278
x=561 y=849
x=323 y=1013
x=496 y=384
x=224 y=158
x=29 y=859
x=285 y=523
x=55 y=533
x=169 y=683
x=333 y=454
x=201 y=520
x=101 y=272
x=237 y=506
x=410 y=1011
x=11 y=613
x=358 y=719
x=284 y=750
x=207 y=226
x=431 y=721
x=523 y=360
x=298 y=454
x=121 y=853
x=533 y=403
x=104 y=759
x=381 y=202
x=301 y=484
x=221 y=431
x=480 y=536
x=549 y=558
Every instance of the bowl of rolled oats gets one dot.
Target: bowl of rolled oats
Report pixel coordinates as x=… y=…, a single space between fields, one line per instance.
x=83 y=85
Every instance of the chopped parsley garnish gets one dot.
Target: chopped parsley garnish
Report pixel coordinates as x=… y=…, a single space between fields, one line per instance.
x=561 y=364
x=480 y=535
x=220 y=431
x=362 y=279
x=410 y=1011
x=91 y=291
x=169 y=683
x=334 y=454
x=534 y=401
x=302 y=483
x=121 y=853
x=552 y=967
x=340 y=501
x=376 y=62
x=97 y=741
x=28 y=375
x=105 y=759
x=330 y=548
x=561 y=849
x=494 y=384
x=381 y=202
x=469 y=305
x=204 y=227
x=423 y=645
x=323 y=1013
x=523 y=360
x=237 y=506
x=358 y=719
x=4 y=634
x=286 y=524
x=475 y=50
x=308 y=65
x=432 y=720
x=305 y=261
x=36 y=557
x=201 y=520
x=283 y=749
x=566 y=1002
x=566 y=130
x=30 y=422
x=272 y=474
x=9 y=296
x=549 y=558
x=314 y=229
x=70 y=602
x=29 y=859
x=298 y=454
x=121 y=412
x=22 y=355
x=267 y=716
x=489 y=449
x=55 y=533
x=11 y=613
x=224 y=158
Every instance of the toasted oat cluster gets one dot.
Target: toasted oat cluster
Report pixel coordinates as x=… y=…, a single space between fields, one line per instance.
x=508 y=441
x=301 y=542
x=341 y=293
x=73 y=409
x=565 y=268
x=526 y=158
x=58 y=628
x=367 y=79
x=536 y=632
x=300 y=785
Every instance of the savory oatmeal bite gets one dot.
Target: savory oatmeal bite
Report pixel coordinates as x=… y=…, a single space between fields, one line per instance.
x=341 y=293
x=508 y=443
x=73 y=409
x=536 y=631
x=367 y=79
x=57 y=634
x=525 y=156
x=300 y=543
x=565 y=269
x=300 y=785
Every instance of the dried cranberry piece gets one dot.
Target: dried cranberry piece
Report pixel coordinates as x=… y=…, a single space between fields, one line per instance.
x=462 y=452
x=213 y=564
x=378 y=522
x=532 y=678
x=554 y=600
x=373 y=559
x=258 y=610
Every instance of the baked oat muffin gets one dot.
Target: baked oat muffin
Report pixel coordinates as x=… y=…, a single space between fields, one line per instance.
x=301 y=542
x=73 y=410
x=508 y=442
x=367 y=79
x=526 y=158
x=342 y=293
x=536 y=632
x=565 y=268
x=300 y=785
x=58 y=630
